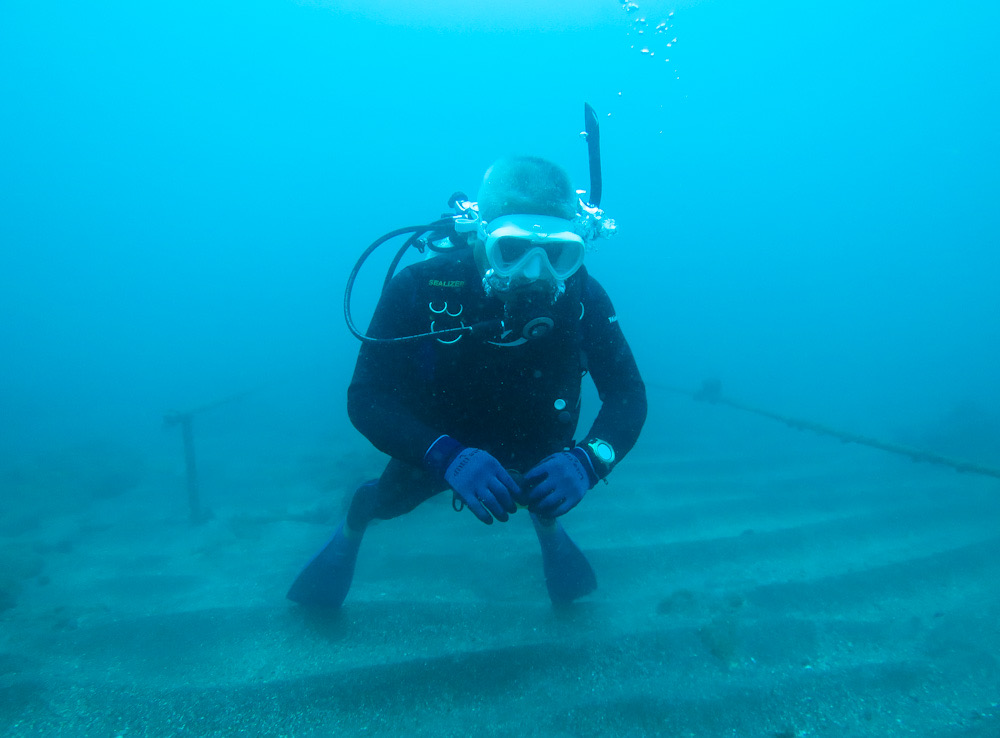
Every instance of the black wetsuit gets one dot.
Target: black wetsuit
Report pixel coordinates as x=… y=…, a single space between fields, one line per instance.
x=520 y=401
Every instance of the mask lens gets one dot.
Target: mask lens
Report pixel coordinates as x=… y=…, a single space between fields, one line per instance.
x=564 y=256
x=510 y=250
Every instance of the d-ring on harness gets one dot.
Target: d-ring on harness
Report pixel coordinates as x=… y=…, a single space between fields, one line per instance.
x=445 y=311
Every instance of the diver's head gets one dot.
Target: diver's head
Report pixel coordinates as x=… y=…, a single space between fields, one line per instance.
x=526 y=184
x=527 y=239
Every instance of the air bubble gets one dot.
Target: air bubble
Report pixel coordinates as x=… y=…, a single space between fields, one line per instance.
x=640 y=22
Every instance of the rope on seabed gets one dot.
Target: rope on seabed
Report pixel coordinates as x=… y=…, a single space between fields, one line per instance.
x=711 y=392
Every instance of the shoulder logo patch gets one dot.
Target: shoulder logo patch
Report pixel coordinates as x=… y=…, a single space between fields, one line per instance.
x=612 y=318
x=446 y=283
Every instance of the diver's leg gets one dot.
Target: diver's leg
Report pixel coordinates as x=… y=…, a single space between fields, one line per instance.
x=400 y=489
x=568 y=574
x=326 y=579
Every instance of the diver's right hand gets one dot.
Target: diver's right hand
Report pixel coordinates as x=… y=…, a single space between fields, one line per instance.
x=482 y=484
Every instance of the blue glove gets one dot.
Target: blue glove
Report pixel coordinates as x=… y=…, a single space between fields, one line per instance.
x=483 y=484
x=478 y=479
x=559 y=483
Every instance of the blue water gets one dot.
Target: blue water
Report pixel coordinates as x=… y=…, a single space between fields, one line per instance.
x=806 y=194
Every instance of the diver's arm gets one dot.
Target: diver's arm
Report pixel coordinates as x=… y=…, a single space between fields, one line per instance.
x=383 y=374
x=616 y=376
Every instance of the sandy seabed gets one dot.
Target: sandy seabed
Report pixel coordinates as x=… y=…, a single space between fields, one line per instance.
x=792 y=586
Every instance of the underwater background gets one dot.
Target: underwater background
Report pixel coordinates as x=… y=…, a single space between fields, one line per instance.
x=807 y=197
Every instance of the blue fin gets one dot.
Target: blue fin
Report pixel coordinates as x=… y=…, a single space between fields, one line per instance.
x=568 y=574
x=326 y=579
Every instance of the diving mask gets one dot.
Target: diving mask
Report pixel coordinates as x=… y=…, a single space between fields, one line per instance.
x=532 y=247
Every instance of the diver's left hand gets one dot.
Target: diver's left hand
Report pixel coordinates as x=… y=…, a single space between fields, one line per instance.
x=557 y=483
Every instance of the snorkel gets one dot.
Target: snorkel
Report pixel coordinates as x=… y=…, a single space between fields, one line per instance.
x=591 y=220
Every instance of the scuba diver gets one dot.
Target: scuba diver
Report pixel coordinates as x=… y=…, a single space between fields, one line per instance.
x=469 y=378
